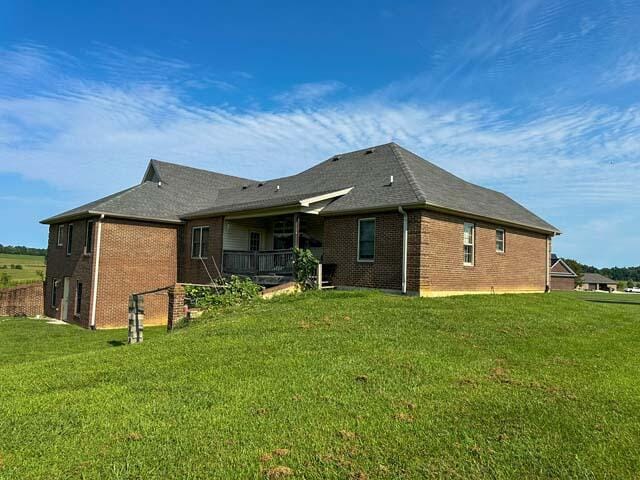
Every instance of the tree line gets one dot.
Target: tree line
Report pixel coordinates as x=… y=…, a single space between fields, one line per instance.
x=22 y=250
x=619 y=274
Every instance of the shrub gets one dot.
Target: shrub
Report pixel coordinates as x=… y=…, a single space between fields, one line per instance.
x=305 y=266
x=5 y=280
x=232 y=291
x=18 y=267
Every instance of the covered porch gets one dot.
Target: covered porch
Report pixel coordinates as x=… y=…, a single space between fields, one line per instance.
x=263 y=246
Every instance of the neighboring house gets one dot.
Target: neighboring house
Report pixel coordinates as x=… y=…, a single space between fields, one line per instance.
x=595 y=281
x=380 y=217
x=562 y=277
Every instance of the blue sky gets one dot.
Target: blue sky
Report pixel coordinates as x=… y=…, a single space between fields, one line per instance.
x=538 y=99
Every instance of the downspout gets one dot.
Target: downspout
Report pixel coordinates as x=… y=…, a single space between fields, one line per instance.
x=96 y=270
x=405 y=249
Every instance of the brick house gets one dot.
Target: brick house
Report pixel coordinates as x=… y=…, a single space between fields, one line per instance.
x=562 y=276
x=379 y=218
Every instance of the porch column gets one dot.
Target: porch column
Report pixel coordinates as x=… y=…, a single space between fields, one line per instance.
x=296 y=230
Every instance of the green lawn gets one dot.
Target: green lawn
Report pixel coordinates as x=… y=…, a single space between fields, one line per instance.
x=332 y=385
x=31 y=264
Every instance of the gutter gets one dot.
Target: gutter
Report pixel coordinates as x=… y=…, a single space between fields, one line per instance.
x=405 y=247
x=96 y=270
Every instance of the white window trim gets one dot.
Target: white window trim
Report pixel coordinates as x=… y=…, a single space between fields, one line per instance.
x=193 y=230
x=86 y=237
x=367 y=260
x=504 y=240
x=60 y=239
x=472 y=244
x=69 y=239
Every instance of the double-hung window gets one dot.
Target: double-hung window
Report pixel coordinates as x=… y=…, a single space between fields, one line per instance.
x=69 y=238
x=60 y=239
x=469 y=240
x=500 y=240
x=366 y=239
x=199 y=242
x=88 y=238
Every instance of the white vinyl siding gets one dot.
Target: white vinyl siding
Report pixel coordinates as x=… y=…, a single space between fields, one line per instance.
x=236 y=236
x=469 y=239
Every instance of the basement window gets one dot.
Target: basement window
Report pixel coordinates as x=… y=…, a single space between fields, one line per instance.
x=500 y=240
x=469 y=240
x=366 y=239
x=199 y=242
x=69 y=238
x=88 y=237
x=60 y=238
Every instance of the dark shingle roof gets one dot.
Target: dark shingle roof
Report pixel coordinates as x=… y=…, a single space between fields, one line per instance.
x=181 y=190
x=189 y=193
x=415 y=182
x=596 y=278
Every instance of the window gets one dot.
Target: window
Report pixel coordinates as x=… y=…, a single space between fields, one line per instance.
x=283 y=234
x=78 y=297
x=60 y=235
x=469 y=242
x=199 y=242
x=69 y=238
x=54 y=291
x=88 y=238
x=366 y=239
x=254 y=241
x=500 y=240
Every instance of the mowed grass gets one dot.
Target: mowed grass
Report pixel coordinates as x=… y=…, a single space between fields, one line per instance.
x=332 y=385
x=31 y=264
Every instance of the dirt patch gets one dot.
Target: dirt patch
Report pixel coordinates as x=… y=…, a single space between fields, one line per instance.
x=279 y=472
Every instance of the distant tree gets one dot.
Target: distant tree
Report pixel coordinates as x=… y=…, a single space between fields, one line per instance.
x=630 y=283
x=5 y=280
x=578 y=269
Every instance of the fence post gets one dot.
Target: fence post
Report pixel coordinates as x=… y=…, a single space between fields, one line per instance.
x=136 y=318
x=319 y=279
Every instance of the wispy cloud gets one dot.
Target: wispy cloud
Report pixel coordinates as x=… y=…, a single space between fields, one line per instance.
x=93 y=137
x=309 y=92
x=626 y=70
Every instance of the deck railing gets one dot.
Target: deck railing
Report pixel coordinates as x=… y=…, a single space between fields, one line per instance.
x=241 y=262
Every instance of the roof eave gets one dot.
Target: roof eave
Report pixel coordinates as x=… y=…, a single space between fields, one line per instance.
x=96 y=213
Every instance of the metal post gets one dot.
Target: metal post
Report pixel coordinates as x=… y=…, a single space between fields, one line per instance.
x=296 y=230
x=319 y=276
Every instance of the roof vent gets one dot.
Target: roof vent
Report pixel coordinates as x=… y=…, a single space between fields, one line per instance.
x=260 y=184
x=336 y=158
x=277 y=188
x=391 y=180
x=159 y=183
x=244 y=187
x=371 y=150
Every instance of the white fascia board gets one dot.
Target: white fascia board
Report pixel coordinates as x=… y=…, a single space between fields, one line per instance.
x=305 y=202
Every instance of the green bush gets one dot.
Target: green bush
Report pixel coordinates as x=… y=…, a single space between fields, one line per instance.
x=233 y=291
x=305 y=266
x=5 y=280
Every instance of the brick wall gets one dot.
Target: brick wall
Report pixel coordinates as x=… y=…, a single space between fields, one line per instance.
x=341 y=248
x=192 y=270
x=135 y=257
x=77 y=267
x=563 y=283
x=522 y=268
x=435 y=255
x=22 y=300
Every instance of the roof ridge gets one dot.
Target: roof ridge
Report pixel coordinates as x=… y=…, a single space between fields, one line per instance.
x=408 y=173
x=189 y=167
